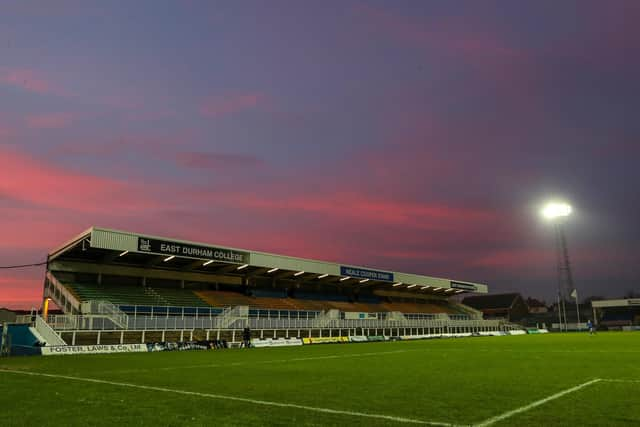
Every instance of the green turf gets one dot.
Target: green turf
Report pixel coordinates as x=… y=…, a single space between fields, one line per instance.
x=458 y=381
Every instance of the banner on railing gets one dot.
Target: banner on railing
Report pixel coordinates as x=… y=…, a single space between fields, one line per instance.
x=186 y=345
x=278 y=342
x=93 y=349
x=325 y=340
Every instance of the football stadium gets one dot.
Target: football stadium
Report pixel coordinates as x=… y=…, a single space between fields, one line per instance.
x=157 y=331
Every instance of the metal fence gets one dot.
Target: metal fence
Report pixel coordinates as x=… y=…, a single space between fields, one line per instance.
x=93 y=322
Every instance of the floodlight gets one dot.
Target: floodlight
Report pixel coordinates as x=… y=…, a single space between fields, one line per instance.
x=411 y=286
x=243 y=266
x=273 y=270
x=124 y=253
x=553 y=210
x=207 y=263
x=364 y=280
x=397 y=284
x=169 y=258
x=345 y=278
x=322 y=276
x=299 y=273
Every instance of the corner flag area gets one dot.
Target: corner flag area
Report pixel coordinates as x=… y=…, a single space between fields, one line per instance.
x=529 y=380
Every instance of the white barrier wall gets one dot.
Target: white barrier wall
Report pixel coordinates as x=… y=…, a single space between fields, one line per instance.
x=93 y=349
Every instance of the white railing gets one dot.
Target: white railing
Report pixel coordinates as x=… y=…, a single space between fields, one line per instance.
x=89 y=322
x=50 y=336
x=60 y=294
x=113 y=312
x=101 y=308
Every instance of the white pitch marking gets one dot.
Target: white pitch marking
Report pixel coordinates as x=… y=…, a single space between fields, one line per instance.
x=525 y=408
x=234 y=398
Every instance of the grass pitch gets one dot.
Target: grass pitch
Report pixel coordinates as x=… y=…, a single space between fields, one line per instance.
x=503 y=381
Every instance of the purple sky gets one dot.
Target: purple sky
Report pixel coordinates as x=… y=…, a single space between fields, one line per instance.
x=415 y=136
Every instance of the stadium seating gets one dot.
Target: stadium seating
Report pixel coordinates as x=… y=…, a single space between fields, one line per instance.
x=136 y=295
x=227 y=299
x=262 y=300
x=412 y=307
x=179 y=297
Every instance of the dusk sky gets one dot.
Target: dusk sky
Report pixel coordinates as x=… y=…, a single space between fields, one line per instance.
x=415 y=136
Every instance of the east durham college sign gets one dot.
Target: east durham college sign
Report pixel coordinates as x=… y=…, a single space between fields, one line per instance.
x=166 y=247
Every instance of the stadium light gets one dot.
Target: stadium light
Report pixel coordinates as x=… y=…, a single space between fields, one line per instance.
x=425 y=287
x=243 y=266
x=450 y=289
x=557 y=211
x=169 y=258
x=459 y=291
x=364 y=280
x=124 y=253
x=322 y=276
x=397 y=284
x=411 y=286
x=553 y=210
x=207 y=263
x=345 y=278
x=299 y=273
x=273 y=270
x=437 y=289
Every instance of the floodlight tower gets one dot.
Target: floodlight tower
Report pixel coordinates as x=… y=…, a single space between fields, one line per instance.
x=557 y=212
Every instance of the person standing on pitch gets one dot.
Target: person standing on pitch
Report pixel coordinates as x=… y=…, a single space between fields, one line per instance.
x=246 y=337
x=592 y=329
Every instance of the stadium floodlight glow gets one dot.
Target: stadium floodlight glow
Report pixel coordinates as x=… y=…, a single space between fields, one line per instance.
x=273 y=270
x=437 y=289
x=345 y=278
x=299 y=273
x=459 y=291
x=411 y=286
x=207 y=263
x=397 y=284
x=169 y=258
x=364 y=281
x=322 y=276
x=425 y=287
x=124 y=253
x=553 y=210
x=243 y=266
x=450 y=289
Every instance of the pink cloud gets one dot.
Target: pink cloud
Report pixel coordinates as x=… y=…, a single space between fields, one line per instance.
x=26 y=179
x=20 y=292
x=50 y=121
x=25 y=228
x=449 y=34
x=202 y=160
x=217 y=106
x=361 y=208
x=5 y=133
x=29 y=80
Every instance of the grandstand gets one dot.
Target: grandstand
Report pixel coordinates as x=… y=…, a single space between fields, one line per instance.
x=617 y=313
x=129 y=287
